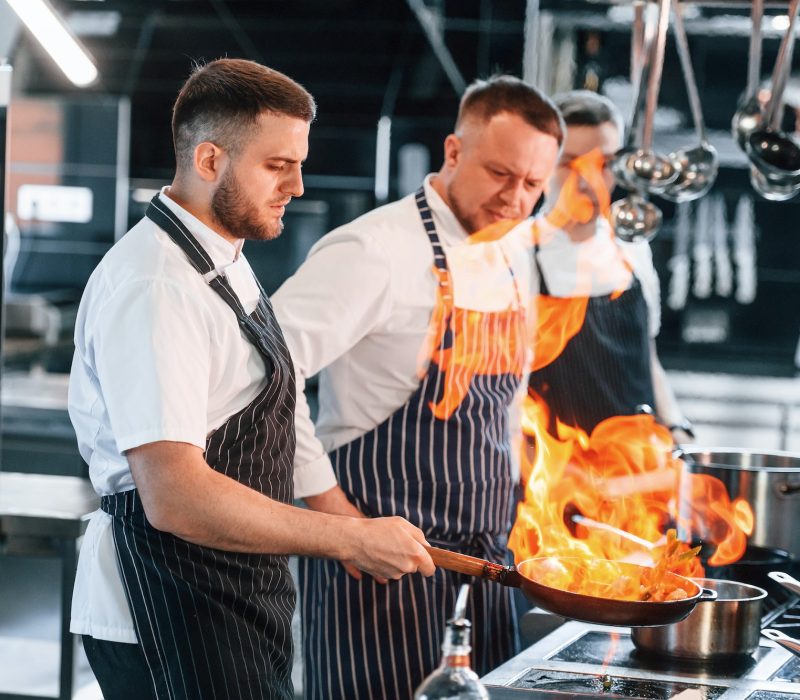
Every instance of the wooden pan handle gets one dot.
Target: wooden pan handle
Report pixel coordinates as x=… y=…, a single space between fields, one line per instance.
x=465 y=564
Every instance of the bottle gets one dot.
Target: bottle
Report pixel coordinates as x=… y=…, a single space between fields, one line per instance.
x=454 y=679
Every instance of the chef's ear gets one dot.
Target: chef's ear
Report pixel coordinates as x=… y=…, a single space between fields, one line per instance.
x=452 y=150
x=209 y=161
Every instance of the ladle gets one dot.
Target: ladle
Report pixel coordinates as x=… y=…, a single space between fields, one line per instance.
x=641 y=58
x=773 y=191
x=635 y=219
x=698 y=165
x=749 y=116
x=644 y=167
x=773 y=152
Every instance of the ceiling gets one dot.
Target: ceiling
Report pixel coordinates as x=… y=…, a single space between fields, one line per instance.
x=359 y=58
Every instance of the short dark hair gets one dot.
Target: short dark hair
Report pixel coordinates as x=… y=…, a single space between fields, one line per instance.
x=587 y=108
x=221 y=102
x=483 y=99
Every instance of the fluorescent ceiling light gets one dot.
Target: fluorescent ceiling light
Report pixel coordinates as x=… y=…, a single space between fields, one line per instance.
x=55 y=38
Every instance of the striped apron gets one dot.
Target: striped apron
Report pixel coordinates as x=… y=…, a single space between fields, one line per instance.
x=604 y=370
x=452 y=477
x=211 y=623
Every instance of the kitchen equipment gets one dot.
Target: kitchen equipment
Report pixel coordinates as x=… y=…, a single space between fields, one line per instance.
x=774 y=153
x=716 y=630
x=787 y=642
x=755 y=567
x=606 y=611
x=650 y=170
x=768 y=481
x=748 y=116
x=698 y=165
x=788 y=582
x=634 y=218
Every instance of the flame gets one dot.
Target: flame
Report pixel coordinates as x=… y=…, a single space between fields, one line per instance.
x=473 y=347
x=625 y=477
x=584 y=195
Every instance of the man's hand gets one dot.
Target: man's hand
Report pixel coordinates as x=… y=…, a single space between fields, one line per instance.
x=386 y=548
x=336 y=502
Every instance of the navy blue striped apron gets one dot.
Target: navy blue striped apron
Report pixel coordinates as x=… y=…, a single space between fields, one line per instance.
x=604 y=370
x=212 y=623
x=452 y=477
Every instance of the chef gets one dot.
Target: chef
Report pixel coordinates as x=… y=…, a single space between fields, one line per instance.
x=610 y=366
x=182 y=397
x=419 y=335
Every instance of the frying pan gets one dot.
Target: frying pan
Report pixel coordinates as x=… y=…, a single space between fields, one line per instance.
x=577 y=606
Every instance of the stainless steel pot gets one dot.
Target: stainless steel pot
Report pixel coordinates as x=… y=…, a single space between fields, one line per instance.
x=715 y=630
x=769 y=481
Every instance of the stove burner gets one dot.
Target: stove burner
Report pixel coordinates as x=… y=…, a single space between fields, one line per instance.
x=601 y=648
x=790 y=671
x=613 y=685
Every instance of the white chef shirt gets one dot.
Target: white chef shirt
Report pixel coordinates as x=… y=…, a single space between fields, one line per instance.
x=158 y=356
x=596 y=267
x=358 y=310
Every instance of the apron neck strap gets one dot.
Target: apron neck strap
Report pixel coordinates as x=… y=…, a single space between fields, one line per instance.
x=439 y=259
x=160 y=214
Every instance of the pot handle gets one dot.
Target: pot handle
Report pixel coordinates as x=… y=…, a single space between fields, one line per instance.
x=788 y=582
x=788 y=489
x=787 y=642
x=707 y=594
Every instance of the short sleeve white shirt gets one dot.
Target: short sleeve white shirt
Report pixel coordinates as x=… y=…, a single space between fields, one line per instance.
x=158 y=356
x=357 y=311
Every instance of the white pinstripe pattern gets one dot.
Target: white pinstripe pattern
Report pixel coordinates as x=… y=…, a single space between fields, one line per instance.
x=450 y=477
x=216 y=624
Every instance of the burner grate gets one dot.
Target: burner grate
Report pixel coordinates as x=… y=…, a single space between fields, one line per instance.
x=611 y=685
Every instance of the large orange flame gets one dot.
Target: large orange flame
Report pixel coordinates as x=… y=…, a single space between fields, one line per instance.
x=584 y=493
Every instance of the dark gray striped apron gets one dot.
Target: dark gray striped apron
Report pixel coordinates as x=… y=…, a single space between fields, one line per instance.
x=211 y=623
x=604 y=370
x=452 y=478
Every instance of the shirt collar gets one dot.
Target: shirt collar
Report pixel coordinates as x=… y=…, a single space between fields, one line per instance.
x=222 y=252
x=450 y=231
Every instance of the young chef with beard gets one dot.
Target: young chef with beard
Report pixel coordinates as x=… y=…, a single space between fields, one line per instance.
x=182 y=397
x=610 y=367
x=420 y=337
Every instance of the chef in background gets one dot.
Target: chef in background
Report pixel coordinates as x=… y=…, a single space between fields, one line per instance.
x=182 y=398
x=420 y=337
x=610 y=366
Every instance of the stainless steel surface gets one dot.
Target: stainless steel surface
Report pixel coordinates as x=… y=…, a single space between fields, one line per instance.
x=544 y=655
x=697 y=165
x=789 y=643
x=634 y=218
x=714 y=630
x=790 y=583
x=768 y=481
x=37 y=505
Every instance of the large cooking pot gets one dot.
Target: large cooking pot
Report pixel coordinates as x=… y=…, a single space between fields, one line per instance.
x=587 y=608
x=768 y=481
x=716 y=630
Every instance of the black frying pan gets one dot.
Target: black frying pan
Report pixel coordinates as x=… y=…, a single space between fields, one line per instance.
x=603 y=611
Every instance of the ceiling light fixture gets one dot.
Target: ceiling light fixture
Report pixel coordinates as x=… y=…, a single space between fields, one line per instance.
x=51 y=32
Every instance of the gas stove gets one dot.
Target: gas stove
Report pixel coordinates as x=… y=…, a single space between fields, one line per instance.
x=580 y=659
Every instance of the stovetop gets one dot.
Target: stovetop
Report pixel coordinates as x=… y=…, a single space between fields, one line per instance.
x=583 y=659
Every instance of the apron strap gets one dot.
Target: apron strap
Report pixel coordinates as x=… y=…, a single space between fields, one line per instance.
x=166 y=220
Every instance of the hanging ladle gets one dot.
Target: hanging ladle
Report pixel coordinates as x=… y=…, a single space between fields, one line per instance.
x=641 y=43
x=644 y=167
x=749 y=116
x=635 y=219
x=698 y=165
x=773 y=152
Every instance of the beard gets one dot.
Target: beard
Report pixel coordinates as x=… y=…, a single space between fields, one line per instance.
x=233 y=211
x=470 y=222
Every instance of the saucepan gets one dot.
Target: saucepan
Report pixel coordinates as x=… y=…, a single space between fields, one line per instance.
x=528 y=575
x=715 y=631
